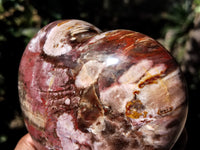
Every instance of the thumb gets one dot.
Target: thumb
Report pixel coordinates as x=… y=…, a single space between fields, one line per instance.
x=25 y=143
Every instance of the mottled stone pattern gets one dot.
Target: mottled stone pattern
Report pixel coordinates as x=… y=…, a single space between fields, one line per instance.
x=81 y=89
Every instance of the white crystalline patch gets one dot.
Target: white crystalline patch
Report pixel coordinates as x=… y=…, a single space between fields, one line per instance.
x=175 y=88
x=154 y=96
x=88 y=74
x=97 y=37
x=34 y=45
x=136 y=71
x=167 y=92
x=56 y=43
x=67 y=101
x=56 y=78
x=100 y=145
x=157 y=70
x=117 y=96
x=68 y=135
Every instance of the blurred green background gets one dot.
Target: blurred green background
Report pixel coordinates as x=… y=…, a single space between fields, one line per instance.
x=174 y=23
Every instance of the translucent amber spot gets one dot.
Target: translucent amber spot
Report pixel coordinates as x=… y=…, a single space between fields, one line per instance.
x=133 y=109
x=134 y=115
x=145 y=114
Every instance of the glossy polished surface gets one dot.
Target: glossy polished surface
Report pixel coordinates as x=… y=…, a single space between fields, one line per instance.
x=83 y=89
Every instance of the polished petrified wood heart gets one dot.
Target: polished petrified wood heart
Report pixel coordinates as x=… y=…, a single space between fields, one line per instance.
x=81 y=89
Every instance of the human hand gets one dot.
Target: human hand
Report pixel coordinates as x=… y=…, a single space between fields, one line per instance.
x=25 y=143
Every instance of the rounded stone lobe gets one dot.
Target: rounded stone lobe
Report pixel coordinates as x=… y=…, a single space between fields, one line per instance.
x=83 y=89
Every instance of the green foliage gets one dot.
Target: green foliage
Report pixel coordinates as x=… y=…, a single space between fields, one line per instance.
x=197 y=6
x=179 y=19
x=18 y=19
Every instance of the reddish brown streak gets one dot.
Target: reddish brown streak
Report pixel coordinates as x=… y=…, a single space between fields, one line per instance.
x=151 y=80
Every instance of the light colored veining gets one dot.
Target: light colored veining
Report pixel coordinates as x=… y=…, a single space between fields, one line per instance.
x=136 y=72
x=57 y=42
x=35 y=117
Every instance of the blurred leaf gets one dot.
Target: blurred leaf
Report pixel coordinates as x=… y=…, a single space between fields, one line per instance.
x=3 y=138
x=1 y=6
x=29 y=32
x=197 y=9
x=2 y=38
x=1 y=79
x=178 y=13
x=197 y=2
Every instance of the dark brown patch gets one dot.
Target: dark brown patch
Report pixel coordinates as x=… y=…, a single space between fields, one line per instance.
x=149 y=147
x=85 y=147
x=126 y=126
x=109 y=129
x=119 y=143
x=89 y=109
x=106 y=80
x=157 y=137
x=173 y=123
x=135 y=93
x=134 y=143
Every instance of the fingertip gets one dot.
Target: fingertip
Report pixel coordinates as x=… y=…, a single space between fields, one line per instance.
x=25 y=143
